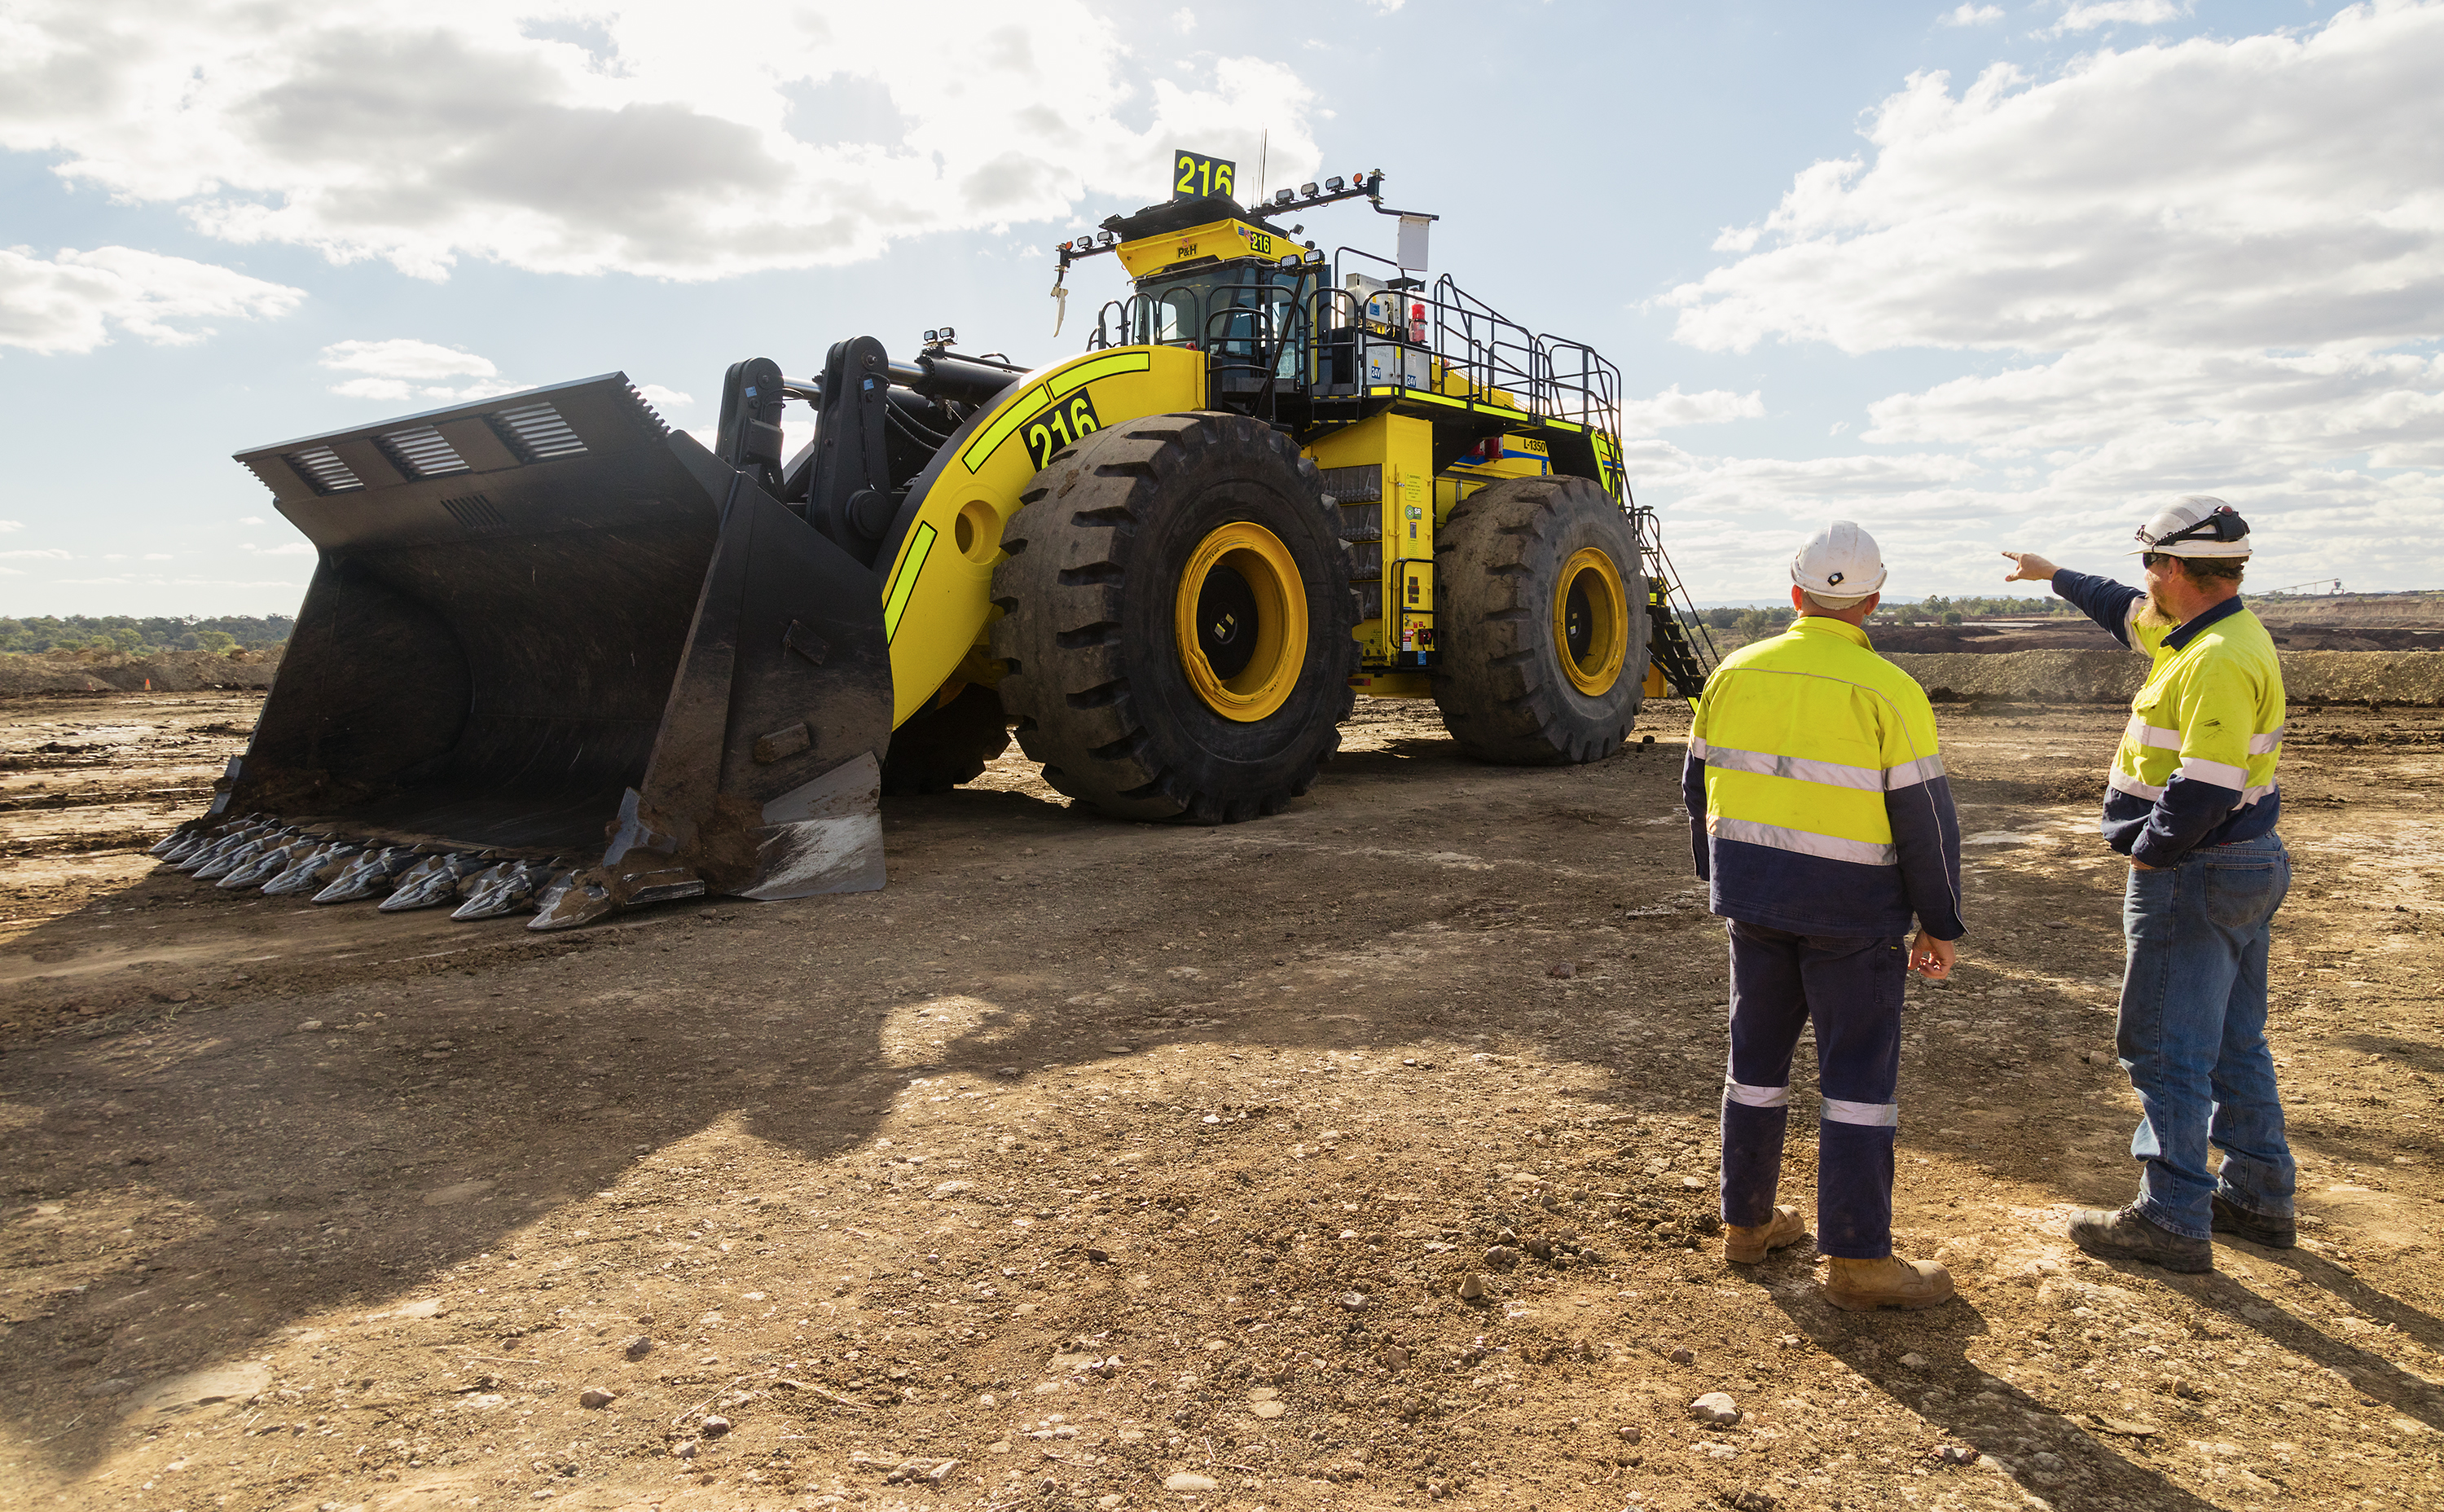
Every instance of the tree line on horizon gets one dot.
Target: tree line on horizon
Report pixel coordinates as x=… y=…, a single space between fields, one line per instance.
x=143 y=635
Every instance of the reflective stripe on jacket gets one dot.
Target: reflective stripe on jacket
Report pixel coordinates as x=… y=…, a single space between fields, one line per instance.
x=2196 y=762
x=1817 y=799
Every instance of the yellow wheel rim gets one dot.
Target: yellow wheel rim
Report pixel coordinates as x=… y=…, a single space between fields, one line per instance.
x=1240 y=619
x=1591 y=621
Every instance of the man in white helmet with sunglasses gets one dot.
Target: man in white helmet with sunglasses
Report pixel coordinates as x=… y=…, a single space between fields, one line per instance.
x=2192 y=800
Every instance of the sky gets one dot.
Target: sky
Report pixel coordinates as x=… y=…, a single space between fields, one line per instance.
x=1975 y=276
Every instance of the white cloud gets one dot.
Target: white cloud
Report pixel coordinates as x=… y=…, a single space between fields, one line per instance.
x=2207 y=267
x=563 y=138
x=1972 y=16
x=49 y=554
x=7 y=525
x=157 y=556
x=400 y=358
x=251 y=519
x=70 y=303
x=2118 y=13
x=295 y=548
x=1184 y=19
x=662 y=398
x=404 y=369
x=1673 y=408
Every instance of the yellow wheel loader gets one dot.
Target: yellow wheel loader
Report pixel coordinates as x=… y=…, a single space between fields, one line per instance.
x=557 y=657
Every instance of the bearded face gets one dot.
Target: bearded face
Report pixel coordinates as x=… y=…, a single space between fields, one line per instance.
x=2153 y=615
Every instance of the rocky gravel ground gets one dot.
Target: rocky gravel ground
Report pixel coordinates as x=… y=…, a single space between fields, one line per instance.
x=1360 y=1157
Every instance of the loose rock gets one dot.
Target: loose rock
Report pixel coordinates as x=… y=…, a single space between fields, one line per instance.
x=639 y=1347
x=597 y=1397
x=1190 y=1480
x=1472 y=1287
x=1684 y=1355
x=1563 y=969
x=716 y=1426
x=1714 y=1409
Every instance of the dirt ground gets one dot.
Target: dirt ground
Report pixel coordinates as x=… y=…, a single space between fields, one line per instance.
x=1097 y=1165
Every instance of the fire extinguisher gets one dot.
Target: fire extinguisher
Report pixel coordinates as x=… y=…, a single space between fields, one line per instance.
x=1417 y=324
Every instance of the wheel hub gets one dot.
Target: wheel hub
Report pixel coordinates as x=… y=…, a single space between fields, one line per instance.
x=1239 y=620
x=1591 y=621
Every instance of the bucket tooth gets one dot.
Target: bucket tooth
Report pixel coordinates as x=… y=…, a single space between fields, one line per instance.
x=268 y=864
x=506 y=888
x=198 y=835
x=572 y=899
x=315 y=872
x=230 y=861
x=369 y=875
x=183 y=836
x=204 y=856
x=434 y=881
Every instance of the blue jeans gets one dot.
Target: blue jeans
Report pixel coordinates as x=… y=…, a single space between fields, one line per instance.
x=2191 y=1033
x=1852 y=988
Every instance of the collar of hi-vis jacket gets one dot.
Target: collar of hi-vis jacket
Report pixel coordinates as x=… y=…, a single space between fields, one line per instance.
x=2197 y=623
x=1839 y=629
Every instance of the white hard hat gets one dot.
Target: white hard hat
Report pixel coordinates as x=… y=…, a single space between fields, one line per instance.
x=2195 y=524
x=1839 y=561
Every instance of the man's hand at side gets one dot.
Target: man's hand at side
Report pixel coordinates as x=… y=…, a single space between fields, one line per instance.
x=1931 y=959
x=2027 y=567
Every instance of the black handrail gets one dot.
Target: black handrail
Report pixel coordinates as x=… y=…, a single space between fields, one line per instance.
x=1473 y=346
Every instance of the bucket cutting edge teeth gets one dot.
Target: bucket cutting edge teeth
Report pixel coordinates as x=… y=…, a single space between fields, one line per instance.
x=220 y=866
x=431 y=882
x=507 y=888
x=271 y=863
x=316 y=869
x=369 y=874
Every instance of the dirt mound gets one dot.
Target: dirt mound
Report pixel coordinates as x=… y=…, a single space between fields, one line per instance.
x=2111 y=676
x=174 y=671
x=1988 y=640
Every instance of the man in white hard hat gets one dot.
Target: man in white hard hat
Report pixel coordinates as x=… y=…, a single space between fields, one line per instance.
x=1822 y=821
x=2192 y=800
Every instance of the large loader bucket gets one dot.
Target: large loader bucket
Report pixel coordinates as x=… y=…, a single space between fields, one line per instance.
x=546 y=625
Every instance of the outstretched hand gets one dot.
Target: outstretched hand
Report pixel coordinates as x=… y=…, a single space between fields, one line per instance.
x=2027 y=567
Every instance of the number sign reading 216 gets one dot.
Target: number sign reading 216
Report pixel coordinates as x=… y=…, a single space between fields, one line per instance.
x=1066 y=423
x=1194 y=178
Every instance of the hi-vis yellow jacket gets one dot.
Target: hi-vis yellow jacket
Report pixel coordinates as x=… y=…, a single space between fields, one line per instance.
x=1817 y=799
x=2196 y=765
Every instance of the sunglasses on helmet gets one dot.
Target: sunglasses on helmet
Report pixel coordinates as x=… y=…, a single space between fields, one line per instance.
x=2225 y=524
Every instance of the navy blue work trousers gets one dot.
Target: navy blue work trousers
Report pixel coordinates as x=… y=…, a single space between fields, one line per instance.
x=1852 y=990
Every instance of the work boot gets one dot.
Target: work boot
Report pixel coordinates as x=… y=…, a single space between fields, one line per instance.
x=2258 y=1228
x=1743 y=1245
x=2128 y=1234
x=1863 y=1285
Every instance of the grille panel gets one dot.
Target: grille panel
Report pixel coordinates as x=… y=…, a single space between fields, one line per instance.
x=476 y=512
x=324 y=472
x=536 y=432
x=421 y=453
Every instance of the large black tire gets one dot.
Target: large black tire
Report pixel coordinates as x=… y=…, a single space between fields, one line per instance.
x=1090 y=593
x=1511 y=687
x=944 y=744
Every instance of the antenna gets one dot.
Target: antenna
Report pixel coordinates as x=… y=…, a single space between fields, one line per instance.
x=1263 y=143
